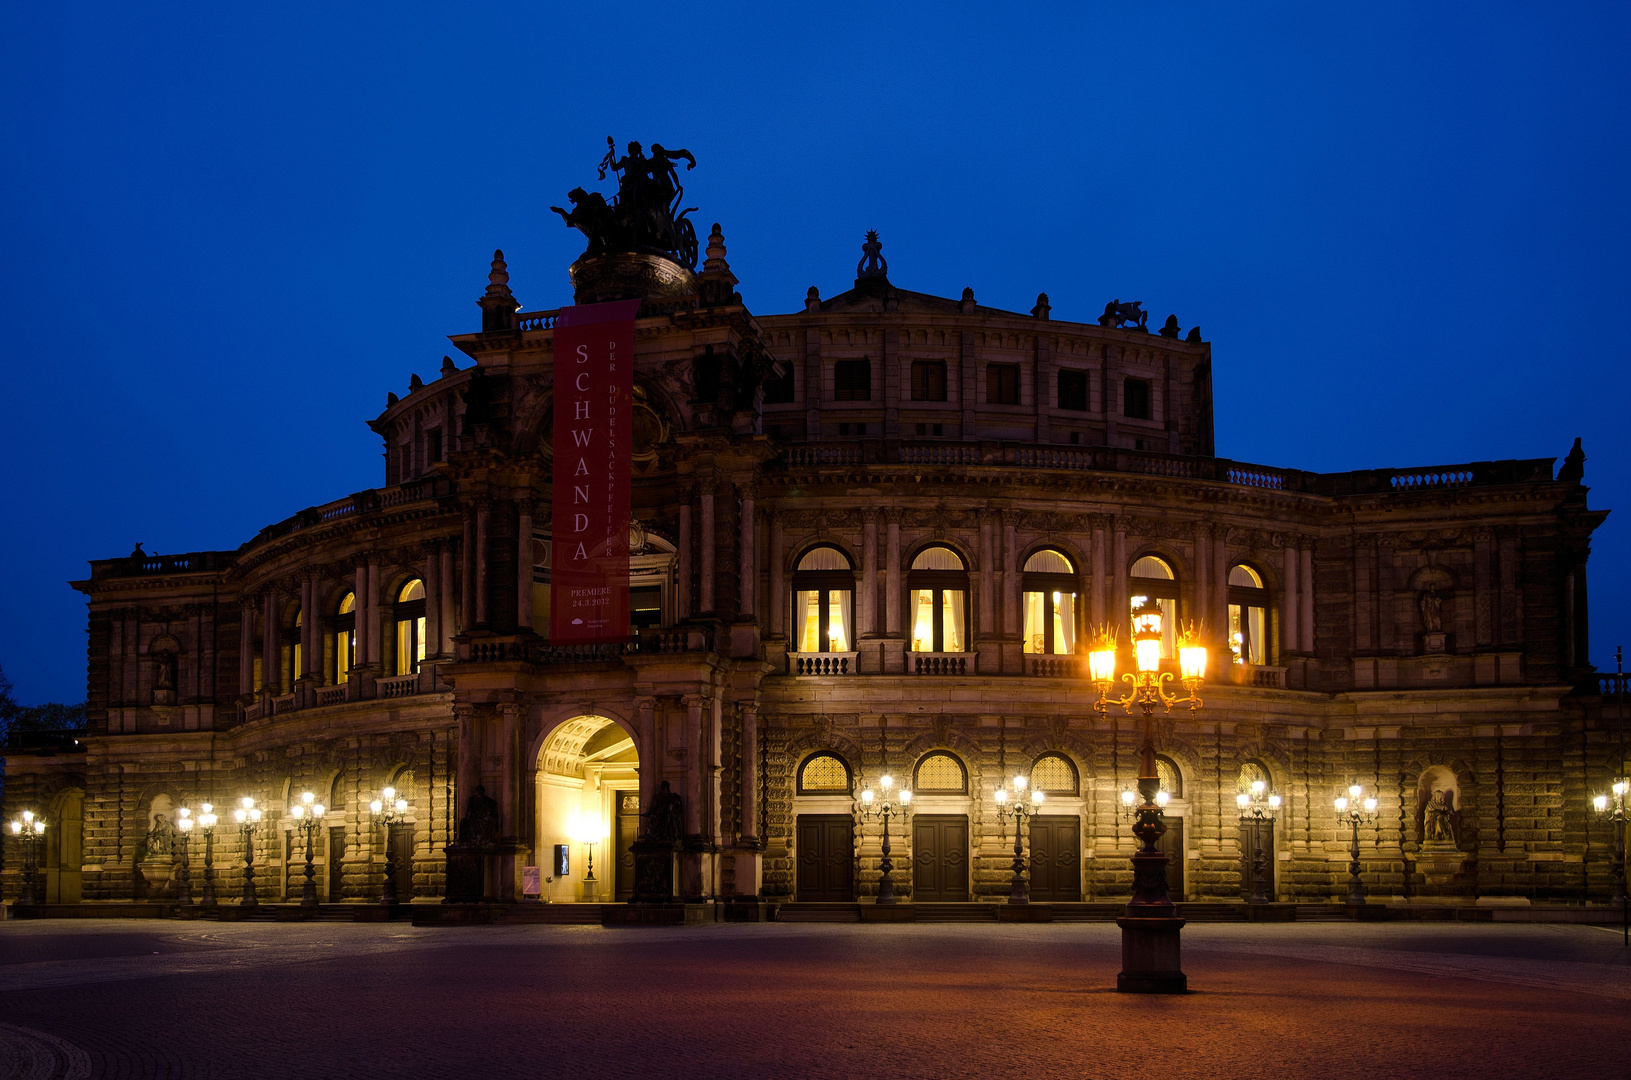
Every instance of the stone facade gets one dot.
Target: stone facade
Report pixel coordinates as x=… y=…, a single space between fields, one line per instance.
x=1417 y=627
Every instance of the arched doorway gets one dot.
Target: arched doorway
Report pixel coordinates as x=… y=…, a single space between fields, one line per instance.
x=64 y=846
x=589 y=800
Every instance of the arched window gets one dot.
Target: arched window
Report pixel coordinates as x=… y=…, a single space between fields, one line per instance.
x=1153 y=578
x=940 y=773
x=939 y=595
x=1253 y=771
x=344 y=640
x=1054 y=774
x=824 y=601
x=296 y=650
x=1050 y=603
x=824 y=774
x=410 y=627
x=1172 y=781
x=1248 y=616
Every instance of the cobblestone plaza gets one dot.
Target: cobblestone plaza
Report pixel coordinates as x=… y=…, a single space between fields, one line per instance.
x=142 y=998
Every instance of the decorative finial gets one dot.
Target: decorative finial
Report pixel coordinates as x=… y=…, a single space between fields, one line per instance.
x=415 y=382
x=1042 y=307
x=498 y=279
x=498 y=305
x=966 y=305
x=1574 y=466
x=715 y=262
x=872 y=264
x=812 y=299
x=449 y=367
x=1170 y=329
x=1194 y=335
x=391 y=399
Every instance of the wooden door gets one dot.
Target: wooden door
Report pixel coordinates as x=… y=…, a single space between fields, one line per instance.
x=336 y=863
x=1056 y=858
x=940 y=859
x=402 y=846
x=1172 y=842
x=1248 y=850
x=64 y=853
x=628 y=828
x=826 y=858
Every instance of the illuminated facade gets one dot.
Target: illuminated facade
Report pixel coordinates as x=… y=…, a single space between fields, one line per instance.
x=870 y=535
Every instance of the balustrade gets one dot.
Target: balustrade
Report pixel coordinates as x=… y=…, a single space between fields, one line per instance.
x=942 y=663
x=822 y=663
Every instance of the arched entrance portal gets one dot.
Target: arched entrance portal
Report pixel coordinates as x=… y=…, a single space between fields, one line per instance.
x=64 y=840
x=589 y=799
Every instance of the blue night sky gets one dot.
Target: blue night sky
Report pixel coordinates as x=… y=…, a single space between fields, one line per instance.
x=230 y=229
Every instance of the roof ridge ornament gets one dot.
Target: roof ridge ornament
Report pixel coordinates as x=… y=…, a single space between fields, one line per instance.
x=872 y=264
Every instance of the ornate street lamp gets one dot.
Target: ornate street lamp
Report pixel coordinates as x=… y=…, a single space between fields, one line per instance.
x=184 y=878
x=248 y=817
x=206 y=824
x=30 y=830
x=1257 y=806
x=1353 y=810
x=1017 y=893
x=1613 y=808
x=1149 y=929
x=884 y=807
x=308 y=815
x=389 y=809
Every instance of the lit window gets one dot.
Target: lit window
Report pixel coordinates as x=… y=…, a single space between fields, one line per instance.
x=1171 y=779
x=410 y=627
x=1054 y=774
x=1049 y=584
x=1248 y=616
x=344 y=640
x=823 y=774
x=823 y=596
x=939 y=590
x=942 y=773
x=1153 y=578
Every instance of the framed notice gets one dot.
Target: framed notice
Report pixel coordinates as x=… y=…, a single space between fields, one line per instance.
x=563 y=860
x=530 y=881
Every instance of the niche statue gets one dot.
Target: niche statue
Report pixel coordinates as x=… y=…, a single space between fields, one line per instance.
x=161 y=837
x=665 y=821
x=1436 y=824
x=480 y=825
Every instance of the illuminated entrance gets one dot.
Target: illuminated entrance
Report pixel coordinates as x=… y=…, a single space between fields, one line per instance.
x=588 y=794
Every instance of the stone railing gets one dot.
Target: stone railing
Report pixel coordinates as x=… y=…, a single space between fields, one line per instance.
x=1065 y=667
x=1269 y=678
x=397 y=686
x=254 y=711
x=283 y=703
x=821 y=663
x=921 y=663
x=535 y=320
x=940 y=454
x=331 y=695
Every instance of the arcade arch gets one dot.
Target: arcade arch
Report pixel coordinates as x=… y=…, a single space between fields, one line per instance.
x=588 y=793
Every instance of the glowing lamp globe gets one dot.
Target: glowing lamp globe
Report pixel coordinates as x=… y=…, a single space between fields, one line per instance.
x=1342 y=804
x=375 y=807
x=1370 y=806
x=866 y=797
x=297 y=811
x=1127 y=797
x=1274 y=802
x=401 y=805
x=389 y=794
x=1600 y=804
x=1147 y=634
x=1192 y=657
x=905 y=797
x=886 y=781
x=1019 y=783
x=17 y=826
x=185 y=824
x=1258 y=786
x=1619 y=787
x=1243 y=800
x=1001 y=796
x=1161 y=798
x=1036 y=796
x=1101 y=659
x=39 y=826
x=240 y=816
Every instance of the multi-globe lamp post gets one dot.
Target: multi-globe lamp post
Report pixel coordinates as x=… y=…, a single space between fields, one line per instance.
x=1150 y=959
x=206 y=825
x=184 y=878
x=308 y=816
x=389 y=809
x=1613 y=807
x=1257 y=805
x=248 y=817
x=1014 y=804
x=885 y=806
x=29 y=830
x=1353 y=810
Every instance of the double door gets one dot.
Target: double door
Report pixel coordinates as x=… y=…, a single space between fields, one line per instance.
x=940 y=858
x=825 y=857
x=1056 y=858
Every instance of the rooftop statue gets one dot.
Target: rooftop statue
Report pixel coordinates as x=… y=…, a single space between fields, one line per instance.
x=645 y=213
x=1128 y=316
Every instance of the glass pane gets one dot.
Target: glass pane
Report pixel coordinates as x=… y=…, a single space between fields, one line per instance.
x=1168 y=775
x=1169 y=623
x=1049 y=562
x=824 y=772
x=951 y=625
x=1064 y=622
x=1257 y=633
x=940 y=772
x=837 y=632
x=348 y=604
x=342 y=657
x=922 y=620
x=824 y=558
x=419 y=641
x=413 y=590
x=807 y=609
x=404 y=646
x=1151 y=567
x=1054 y=775
x=1237 y=634
x=937 y=558
x=1245 y=577
x=1034 y=616
x=295 y=670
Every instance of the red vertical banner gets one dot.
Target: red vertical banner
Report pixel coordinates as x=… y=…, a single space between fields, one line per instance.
x=589 y=534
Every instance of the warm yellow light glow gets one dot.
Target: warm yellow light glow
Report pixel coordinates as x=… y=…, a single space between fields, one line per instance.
x=1243 y=800
x=28 y=816
x=207 y=819
x=184 y=811
x=1354 y=791
x=1258 y=786
x=401 y=806
x=297 y=811
x=886 y=781
x=1342 y=804
x=185 y=824
x=1147 y=652
x=1274 y=802
x=239 y=816
x=1619 y=787
x=866 y=797
x=375 y=807
x=1161 y=798
x=17 y=826
x=254 y=814
x=1036 y=796
x=1001 y=796
x=246 y=802
x=906 y=796
x=389 y=794
x=208 y=808
x=1019 y=783
x=1370 y=806
x=39 y=826
x=1127 y=797
x=307 y=797
x=1600 y=803
x=1192 y=659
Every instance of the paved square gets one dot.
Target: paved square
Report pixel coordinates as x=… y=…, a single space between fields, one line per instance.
x=200 y=999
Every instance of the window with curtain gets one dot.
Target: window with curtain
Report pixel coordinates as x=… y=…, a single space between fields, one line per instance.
x=343 y=642
x=410 y=627
x=1248 y=615
x=1152 y=577
x=938 y=591
x=1049 y=598
x=824 y=601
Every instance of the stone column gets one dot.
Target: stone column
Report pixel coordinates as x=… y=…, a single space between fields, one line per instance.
x=988 y=576
x=272 y=643
x=523 y=568
x=685 y=561
x=484 y=515
x=1305 y=615
x=469 y=767
x=359 y=617
x=467 y=552
x=891 y=599
x=433 y=598
x=375 y=652
x=508 y=801
x=750 y=774
x=1012 y=625
x=1120 y=615
x=311 y=643
x=650 y=766
x=866 y=599
x=1096 y=583
x=748 y=570
x=447 y=627
x=693 y=764
x=708 y=553
x=1201 y=612
x=246 y=646
x=1290 y=636
x=1220 y=584
x=778 y=577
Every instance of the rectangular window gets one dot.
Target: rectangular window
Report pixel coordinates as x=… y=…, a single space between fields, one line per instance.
x=645 y=607
x=1073 y=390
x=852 y=380
x=433 y=446
x=931 y=429
x=1135 y=399
x=1002 y=384
x=928 y=380
x=852 y=429
x=779 y=389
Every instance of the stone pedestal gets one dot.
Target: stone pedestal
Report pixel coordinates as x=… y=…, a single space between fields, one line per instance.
x=1150 y=961
x=158 y=871
x=653 y=872
x=479 y=873
x=1439 y=861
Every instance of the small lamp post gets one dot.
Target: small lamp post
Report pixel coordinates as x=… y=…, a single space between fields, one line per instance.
x=1019 y=811
x=1353 y=810
x=308 y=815
x=206 y=824
x=1257 y=806
x=30 y=830
x=389 y=809
x=1613 y=808
x=184 y=877
x=1150 y=960
x=589 y=834
x=248 y=817
x=884 y=807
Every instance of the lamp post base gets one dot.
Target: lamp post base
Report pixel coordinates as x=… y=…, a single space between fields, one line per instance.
x=1150 y=961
